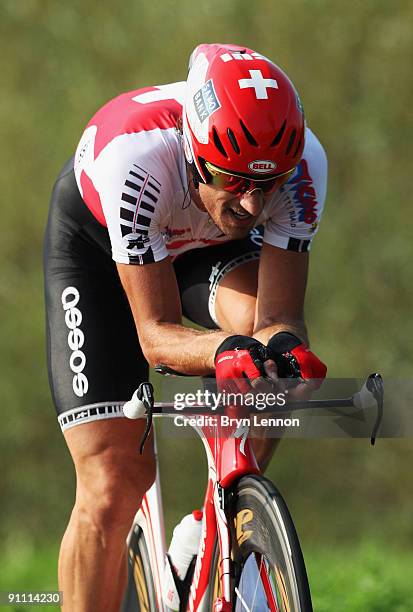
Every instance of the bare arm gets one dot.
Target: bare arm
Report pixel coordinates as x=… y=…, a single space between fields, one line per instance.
x=282 y=282
x=153 y=296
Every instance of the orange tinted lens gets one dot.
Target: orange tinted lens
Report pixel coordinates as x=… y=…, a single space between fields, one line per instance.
x=239 y=185
x=229 y=182
x=273 y=184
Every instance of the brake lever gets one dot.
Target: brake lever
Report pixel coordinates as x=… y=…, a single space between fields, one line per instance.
x=374 y=384
x=141 y=405
x=146 y=394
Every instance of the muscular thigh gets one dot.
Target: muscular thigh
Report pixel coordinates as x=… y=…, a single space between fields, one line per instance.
x=107 y=459
x=218 y=285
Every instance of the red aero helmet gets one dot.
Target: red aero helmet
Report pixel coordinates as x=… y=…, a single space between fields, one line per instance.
x=241 y=113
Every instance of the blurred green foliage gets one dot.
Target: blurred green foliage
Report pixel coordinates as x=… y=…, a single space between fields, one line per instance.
x=352 y=66
x=361 y=578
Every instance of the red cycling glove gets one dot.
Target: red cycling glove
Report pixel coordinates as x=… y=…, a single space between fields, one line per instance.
x=294 y=359
x=238 y=362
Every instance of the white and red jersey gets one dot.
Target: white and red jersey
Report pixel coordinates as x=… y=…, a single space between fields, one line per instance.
x=130 y=169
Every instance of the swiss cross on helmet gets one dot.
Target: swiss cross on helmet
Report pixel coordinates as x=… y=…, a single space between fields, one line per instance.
x=241 y=113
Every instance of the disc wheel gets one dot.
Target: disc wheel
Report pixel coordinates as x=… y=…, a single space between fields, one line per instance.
x=269 y=572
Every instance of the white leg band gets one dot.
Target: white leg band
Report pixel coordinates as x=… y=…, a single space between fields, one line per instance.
x=92 y=412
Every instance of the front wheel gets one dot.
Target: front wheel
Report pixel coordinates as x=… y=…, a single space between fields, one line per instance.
x=269 y=570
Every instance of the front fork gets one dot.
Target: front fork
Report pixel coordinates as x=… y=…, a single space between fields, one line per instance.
x=230 y=457
x=227 y=540
x=224 y=541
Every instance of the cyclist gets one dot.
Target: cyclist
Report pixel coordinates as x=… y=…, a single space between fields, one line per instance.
x=198 y=198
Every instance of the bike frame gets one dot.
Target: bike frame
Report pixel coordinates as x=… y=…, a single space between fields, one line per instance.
x=230 y=456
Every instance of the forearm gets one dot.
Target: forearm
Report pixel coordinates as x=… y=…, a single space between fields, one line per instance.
x=153 y=296
x=268 y=329
x=183 y=349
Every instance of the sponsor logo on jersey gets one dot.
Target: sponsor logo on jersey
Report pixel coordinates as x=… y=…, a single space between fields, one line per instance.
x=136 y=241
x=84 y=155
x=75 y=340
x=171 y=233
x=262 y=166
x=139 y=197
x=301 y=186
x=206 y=101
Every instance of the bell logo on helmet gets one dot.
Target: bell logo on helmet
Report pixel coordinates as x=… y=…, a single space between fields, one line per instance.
x=262 y=166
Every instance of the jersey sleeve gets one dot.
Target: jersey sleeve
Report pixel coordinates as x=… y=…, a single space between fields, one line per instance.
x=130 y=177
x=297 y=210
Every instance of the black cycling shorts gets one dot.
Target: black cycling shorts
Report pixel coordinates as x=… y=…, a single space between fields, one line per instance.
x=94 y=358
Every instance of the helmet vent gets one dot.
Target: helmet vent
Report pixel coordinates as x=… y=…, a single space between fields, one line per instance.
x=248 y=135
x=218 y=143
x=277 y=139
x=291 y=141
x=297 y=148
x=233 y=141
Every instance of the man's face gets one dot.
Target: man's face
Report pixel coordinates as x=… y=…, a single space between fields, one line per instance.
x=234 y=215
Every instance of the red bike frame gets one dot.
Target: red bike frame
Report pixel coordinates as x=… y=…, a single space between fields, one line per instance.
x=230 y=456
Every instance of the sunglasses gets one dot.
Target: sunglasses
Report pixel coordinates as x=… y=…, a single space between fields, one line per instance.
x=238 y=185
